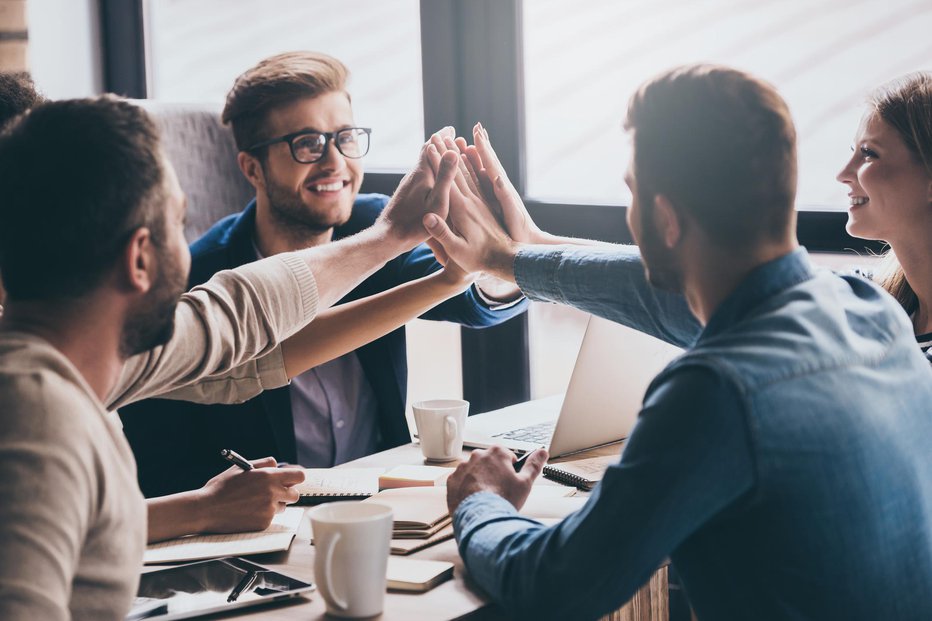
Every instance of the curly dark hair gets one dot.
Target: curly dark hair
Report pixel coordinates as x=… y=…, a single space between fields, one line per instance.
x=17 y=95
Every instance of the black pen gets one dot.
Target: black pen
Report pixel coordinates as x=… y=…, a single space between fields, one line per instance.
x=519 y=463
x=236 y=458
x=246 y=581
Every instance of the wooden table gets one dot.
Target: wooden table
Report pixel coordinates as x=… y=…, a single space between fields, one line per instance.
x=458 y=598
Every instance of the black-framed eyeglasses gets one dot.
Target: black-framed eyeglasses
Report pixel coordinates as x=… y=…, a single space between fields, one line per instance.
x=308 y=146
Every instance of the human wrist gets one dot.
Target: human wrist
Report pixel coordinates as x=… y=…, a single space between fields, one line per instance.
x=452 y=280
x=197 y=508
x=501 y=262
x=381 y=242
x=543 y=238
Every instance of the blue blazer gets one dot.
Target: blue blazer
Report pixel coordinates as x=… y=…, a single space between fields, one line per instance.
x=177 y=444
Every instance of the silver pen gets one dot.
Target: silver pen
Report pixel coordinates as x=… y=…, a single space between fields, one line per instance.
x=236 y=458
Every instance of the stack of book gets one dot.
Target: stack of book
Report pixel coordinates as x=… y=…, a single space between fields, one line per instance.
x=421 y=517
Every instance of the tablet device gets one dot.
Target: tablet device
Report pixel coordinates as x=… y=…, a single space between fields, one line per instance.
x=211 y=586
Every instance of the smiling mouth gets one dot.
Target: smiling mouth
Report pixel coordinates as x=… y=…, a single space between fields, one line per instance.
x=857 y=201
x=324 y=188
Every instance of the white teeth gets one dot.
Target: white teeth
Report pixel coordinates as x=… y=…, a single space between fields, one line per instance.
x=329 y=187
x=858 y=200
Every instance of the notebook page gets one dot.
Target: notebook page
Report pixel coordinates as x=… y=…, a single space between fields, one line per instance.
x=335 y=481
x=276 y=537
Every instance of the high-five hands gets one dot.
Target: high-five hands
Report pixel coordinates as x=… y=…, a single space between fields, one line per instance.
x=498 y=189
x=474 y=237
x=426 y=189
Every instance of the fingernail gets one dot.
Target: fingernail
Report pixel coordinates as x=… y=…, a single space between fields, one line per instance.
x=431 y=221
x=500 y=181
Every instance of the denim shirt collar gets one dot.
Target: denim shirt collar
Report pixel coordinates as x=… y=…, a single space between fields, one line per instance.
x=762 y=283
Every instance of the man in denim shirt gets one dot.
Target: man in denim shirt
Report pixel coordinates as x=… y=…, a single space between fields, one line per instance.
x=783 y=462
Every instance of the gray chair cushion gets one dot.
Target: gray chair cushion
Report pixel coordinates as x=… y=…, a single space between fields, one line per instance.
x=203 y=153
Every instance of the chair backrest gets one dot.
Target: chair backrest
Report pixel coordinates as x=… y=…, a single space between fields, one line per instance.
x=203 y=153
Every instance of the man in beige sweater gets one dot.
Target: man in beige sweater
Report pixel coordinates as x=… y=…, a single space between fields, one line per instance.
x=94 y=260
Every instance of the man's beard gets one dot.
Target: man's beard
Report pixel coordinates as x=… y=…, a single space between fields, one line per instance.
x=293 y=216
x=152 y=322
x=660 y=265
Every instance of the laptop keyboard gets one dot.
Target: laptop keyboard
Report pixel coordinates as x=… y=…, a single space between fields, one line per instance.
x=535 y=434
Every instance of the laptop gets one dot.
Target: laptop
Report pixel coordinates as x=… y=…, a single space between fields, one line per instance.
x=614 y=367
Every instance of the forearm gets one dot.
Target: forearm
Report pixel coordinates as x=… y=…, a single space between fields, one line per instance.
x=546 y=239
x=642 y=510
x=175 y=515
x=499 y=262
x=608 y=281
x=340 y=266
x=347 y=327
x=530 y=569
x=236 y=316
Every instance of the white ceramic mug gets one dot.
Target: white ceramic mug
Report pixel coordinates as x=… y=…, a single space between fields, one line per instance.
x=440 y=424
x=352 y=541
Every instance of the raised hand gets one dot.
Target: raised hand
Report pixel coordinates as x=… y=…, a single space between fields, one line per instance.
x=495 y=183
x=474 y=238
x=423 y=190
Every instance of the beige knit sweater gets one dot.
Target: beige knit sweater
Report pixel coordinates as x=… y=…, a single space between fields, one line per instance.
x=72 y=519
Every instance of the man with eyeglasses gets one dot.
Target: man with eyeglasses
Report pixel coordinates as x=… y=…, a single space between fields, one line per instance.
x=301 y=150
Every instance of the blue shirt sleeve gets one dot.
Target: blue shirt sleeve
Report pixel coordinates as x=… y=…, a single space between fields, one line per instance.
x=467 y=308
x=687 y=460
x=608 y=282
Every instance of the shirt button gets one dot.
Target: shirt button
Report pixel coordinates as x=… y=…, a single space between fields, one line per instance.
x=340 y=424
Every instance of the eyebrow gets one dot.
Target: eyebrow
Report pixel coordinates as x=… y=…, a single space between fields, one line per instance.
x=320 y=131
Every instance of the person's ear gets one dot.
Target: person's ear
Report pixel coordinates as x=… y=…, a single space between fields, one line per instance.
x=251 y=168
x=139 y=261
x=667 y=221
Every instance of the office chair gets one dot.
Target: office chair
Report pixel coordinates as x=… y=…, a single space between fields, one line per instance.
x=203 y=153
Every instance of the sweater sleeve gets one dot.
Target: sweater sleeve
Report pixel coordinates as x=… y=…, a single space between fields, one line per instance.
x=237 y=316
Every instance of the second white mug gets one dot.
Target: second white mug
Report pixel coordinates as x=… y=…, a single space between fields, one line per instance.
x=352 y=541
x=440 y=424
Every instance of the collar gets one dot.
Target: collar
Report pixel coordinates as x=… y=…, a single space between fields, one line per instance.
x=764 y=282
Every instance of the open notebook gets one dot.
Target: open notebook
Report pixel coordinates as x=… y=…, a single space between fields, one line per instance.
x=275 y=538
x=329 y=484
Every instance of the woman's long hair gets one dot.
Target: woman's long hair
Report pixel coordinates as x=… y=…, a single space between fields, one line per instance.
x=906 y=105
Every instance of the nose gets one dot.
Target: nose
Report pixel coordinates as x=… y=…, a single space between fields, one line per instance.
x=332 y=159
x=847 y=174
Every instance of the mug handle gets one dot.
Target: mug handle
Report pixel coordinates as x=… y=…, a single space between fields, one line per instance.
x=449 y=434
x=325 y=585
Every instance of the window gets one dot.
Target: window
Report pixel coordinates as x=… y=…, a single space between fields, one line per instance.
x=198 y=47
x=550 y=79
x=584 y=59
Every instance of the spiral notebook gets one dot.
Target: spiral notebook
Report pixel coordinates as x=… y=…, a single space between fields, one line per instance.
x=330 y=484
x=583 y=473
